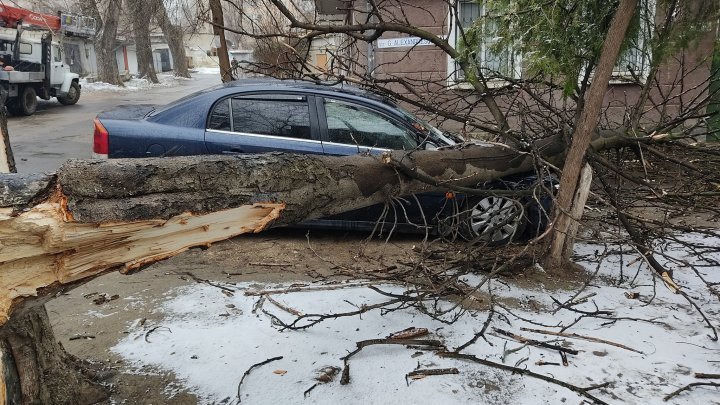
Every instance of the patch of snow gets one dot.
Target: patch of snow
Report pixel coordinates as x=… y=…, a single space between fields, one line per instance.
x=209 y=340
x=135 y=84
x=98 y=314
x=206 y=70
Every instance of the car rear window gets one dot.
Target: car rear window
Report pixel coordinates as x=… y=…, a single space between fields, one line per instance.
x=278 y=115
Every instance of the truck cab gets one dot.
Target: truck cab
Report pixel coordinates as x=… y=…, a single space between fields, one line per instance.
x=32 y=66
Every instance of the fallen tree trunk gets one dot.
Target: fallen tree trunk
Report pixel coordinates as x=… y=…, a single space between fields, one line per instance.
x=98 y=215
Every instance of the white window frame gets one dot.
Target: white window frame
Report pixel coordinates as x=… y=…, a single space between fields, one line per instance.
x=453 y=71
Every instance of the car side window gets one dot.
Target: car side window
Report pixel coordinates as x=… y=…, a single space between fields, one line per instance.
x=220 y=117
x=357 y=125
x=278 y=115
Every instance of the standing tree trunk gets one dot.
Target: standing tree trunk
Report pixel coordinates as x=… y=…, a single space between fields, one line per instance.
x=142 y=13
x=174 y=37
x=219 y=30
x=107 y=61
x=582 y=136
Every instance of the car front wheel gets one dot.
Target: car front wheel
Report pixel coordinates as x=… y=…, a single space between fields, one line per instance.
x=72 y=96
x=495 y=220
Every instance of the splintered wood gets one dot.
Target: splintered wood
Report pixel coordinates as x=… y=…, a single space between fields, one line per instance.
x=43 y=247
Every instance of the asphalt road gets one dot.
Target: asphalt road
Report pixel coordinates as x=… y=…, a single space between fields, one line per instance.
x=56 y=133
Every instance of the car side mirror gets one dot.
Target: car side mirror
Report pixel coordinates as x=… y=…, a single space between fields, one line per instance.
x=430 y=145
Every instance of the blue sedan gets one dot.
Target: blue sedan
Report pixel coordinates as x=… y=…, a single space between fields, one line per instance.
x=259 y=116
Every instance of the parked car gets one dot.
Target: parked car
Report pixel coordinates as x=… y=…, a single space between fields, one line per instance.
x=257 y=116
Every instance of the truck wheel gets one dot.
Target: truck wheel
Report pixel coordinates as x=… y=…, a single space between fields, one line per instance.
x=27 y=102
x=73 y=95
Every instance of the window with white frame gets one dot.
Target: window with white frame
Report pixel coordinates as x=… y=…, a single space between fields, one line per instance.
x=634 y=62
x=494 y=64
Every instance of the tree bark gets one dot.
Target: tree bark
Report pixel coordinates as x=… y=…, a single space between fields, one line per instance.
x=584 y=129
x=107 y=61
x=142 y=13
x=574 y=217
x=218 y=29
x=174 y=37
x=36 y=369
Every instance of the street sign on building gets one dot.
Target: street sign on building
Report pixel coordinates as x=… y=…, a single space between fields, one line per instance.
x=405 y=42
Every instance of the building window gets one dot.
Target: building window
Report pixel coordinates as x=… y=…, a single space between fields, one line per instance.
x=634 y=63
x=494 y=64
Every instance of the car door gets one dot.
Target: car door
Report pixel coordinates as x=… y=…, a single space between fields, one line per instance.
x=350 y=128
x=266 y=122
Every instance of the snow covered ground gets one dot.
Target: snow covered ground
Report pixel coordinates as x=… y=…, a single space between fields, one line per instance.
x=209 y=338
x=134 y=84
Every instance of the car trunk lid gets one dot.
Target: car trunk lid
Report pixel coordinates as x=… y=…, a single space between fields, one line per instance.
x=129 y=112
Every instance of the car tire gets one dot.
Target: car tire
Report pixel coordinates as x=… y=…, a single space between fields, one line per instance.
x=494 y=220
x=27 y=101
x=72 y=96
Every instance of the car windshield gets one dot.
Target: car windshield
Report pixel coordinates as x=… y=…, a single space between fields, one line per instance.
x=437 y=136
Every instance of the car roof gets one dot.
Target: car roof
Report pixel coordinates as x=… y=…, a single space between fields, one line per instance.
x=319 y=86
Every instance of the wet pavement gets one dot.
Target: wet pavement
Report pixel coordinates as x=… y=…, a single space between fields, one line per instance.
x=55 y=133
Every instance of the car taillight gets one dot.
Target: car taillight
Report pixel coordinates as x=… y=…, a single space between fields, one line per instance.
x=101 y=143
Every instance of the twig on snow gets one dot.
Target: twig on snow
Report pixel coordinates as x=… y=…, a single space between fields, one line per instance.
x=246 y=373
x=418 y=374
x=210 y=283
x=480 y=334
x=284 y=307
x=533 y=342
x=581 y=337
x=689 y=387
x=409 y=333
x=345 y=378
x=147 y=334
x=417 y=342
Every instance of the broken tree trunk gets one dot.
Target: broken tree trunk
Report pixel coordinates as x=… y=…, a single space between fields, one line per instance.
x=563 y=247
x=584 y=130
x=34 y=367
